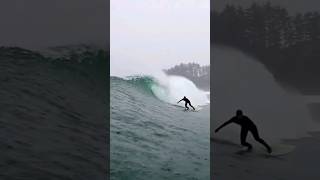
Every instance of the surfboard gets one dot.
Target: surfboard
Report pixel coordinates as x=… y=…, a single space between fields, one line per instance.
x=192 y=110
x=197 y=108
x=277 y=150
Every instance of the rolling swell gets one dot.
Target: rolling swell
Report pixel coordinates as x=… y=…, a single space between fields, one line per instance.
x=52 y=117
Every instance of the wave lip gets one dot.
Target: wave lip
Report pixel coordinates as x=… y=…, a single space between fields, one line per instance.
x=170 y=88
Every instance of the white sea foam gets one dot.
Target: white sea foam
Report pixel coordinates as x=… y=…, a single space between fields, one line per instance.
x=172 y=88
x=241 y=82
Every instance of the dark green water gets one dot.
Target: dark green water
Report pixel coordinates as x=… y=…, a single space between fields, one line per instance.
x=153 y=140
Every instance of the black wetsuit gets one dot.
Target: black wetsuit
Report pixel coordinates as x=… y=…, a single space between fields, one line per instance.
x=187 y=101
x=246 y=126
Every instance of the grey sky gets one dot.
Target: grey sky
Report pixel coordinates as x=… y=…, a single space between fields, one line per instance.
x=291 y=5
x=42 y=23
x=149 y=35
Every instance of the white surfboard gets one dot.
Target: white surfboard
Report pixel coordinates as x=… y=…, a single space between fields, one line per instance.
x=277 y=149
x=193 y=110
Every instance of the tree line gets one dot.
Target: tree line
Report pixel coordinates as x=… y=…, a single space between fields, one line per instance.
x=200 y=75
x=263 y=26
x=287 y=44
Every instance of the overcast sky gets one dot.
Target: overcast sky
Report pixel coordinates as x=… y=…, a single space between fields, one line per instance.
x=43 y=23
x=166 y=26
x=150 y=35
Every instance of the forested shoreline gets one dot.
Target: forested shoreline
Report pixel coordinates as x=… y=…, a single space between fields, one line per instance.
x=287 y=44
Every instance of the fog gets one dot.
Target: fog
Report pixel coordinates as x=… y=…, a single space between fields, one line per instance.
x=151 y=35
x=38 y=24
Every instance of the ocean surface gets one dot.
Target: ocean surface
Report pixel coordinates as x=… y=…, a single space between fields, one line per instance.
x=52 y=118
x=154 y=138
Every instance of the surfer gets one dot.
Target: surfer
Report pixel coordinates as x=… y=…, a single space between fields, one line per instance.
x=187 y=101
x=246 y=126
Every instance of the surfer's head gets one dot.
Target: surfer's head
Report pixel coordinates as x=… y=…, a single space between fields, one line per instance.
x=239 y=112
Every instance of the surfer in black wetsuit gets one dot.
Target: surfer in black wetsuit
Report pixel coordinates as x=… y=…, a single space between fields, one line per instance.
x=187 y=101
x=246 y=126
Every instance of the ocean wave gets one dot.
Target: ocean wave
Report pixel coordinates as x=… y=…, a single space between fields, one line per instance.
x=146 y=128
x=241 y=82
x=169 y=89
x=59 y=111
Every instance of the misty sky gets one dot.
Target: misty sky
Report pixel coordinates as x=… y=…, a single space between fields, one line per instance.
x=43 y=23
x=150 y=35
x=292 y=5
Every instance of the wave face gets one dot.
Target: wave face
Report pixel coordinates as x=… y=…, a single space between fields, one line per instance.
x=153 y=139
x=53 y=117
x=171 y=89
x=240 y=82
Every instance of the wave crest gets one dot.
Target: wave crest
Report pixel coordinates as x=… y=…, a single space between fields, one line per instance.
x=170 y=89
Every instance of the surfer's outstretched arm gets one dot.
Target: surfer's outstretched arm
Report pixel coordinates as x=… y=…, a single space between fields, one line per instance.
x=223 y=125
x=180 y=101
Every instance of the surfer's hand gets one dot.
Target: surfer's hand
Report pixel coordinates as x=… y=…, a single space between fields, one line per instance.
x=216 y=130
